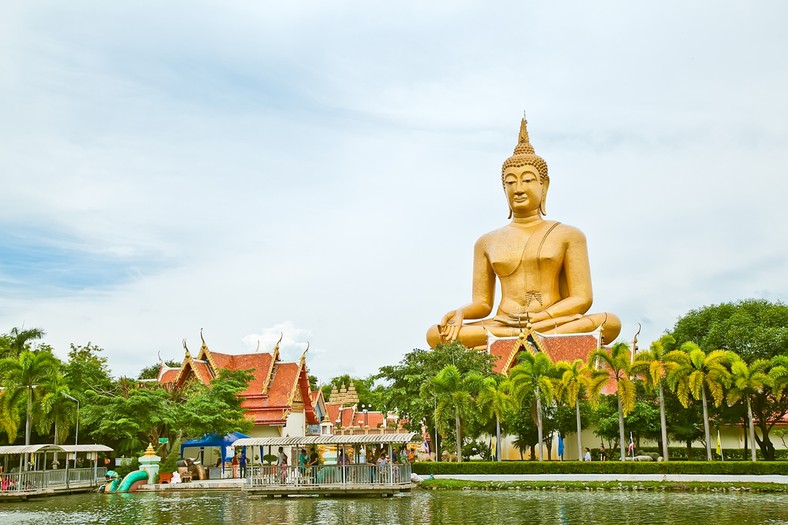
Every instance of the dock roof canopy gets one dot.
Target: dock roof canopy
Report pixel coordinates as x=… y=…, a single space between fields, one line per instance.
x=354 y=439
x=34 y=449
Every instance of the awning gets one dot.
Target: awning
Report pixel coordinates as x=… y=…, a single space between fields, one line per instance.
x=213 y=440
x=35 y=449
x=354 y=439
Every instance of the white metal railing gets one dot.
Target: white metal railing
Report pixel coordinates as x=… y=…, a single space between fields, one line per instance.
x=50 y=479
x=385 y=475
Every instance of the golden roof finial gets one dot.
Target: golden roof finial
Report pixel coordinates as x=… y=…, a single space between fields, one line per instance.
x=188 y=354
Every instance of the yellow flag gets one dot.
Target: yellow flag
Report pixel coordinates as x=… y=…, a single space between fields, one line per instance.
x=719 y=444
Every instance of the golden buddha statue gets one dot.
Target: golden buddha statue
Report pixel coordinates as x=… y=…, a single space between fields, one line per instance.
x=542 y=266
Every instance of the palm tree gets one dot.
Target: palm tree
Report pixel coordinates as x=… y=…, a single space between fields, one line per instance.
x=533 y=375
x=495 y=399
x=20 y=376
x=55 y=409
x=778 y=372
x=655 y=366
x=19 y=340
x=457 y=391
x=618 y=362
x=697 y=371
x=747 y=380
x=577 y=379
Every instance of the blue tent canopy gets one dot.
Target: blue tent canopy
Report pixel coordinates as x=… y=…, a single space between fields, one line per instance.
x=214 y=440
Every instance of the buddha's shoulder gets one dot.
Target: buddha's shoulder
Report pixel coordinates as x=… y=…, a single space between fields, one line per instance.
x=560 y=230
x=569 y=232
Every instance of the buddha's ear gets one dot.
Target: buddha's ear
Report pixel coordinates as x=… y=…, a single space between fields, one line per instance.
x=543 y=204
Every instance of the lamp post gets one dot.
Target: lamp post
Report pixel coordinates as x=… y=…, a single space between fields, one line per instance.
x=76 y=436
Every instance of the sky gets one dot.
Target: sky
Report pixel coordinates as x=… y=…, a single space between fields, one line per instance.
x=323 y=169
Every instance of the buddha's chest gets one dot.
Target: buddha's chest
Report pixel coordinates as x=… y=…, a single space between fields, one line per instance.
x=515 y=251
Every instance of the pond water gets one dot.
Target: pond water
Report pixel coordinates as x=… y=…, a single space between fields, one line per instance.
x=441 y=507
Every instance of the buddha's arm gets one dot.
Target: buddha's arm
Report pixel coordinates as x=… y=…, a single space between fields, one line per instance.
x=482 y=298
x=578 y=279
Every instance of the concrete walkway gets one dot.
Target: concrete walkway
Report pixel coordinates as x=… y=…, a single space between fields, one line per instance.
x=678 y=478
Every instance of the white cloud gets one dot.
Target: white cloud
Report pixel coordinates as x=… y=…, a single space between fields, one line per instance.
x=323 y=172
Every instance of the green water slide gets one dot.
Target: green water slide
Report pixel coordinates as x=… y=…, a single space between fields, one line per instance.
x=131 y=479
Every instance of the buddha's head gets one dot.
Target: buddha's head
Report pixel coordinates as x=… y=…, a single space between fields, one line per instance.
x=523 y=162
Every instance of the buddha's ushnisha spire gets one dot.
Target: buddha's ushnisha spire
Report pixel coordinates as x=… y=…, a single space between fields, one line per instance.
x=524 y=153
x=524 y=143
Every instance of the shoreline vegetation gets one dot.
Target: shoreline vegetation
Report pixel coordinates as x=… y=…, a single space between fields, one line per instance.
x=719 y=468
x=646 y=486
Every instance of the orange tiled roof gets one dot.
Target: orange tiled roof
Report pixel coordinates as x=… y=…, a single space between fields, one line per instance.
x=270 y=394
x=281 y=386
x=333 y=412
x=168 y=375
x=568 y=347
x=348 y=414
x=375 y=419
x=202 y=371
x=558 y=347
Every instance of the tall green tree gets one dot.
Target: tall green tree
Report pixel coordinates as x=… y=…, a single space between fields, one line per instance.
x=455 y=391
x=25 y=378
x=56 y=410
x=216 y=408
x=578 y=380
x=654 y=366
x=747 y=381
x=495 y=399
x=697 y=372
x=753 y=329
x=534 y=375
x=399 y=387
x=618 y=363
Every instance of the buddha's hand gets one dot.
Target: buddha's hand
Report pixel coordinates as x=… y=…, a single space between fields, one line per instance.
x=450 y=325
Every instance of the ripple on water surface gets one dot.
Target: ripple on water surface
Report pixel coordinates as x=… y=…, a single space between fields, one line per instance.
x=443 y=507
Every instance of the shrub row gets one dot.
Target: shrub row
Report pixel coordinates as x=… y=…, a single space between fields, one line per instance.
x=699 y=453
x=603 y=467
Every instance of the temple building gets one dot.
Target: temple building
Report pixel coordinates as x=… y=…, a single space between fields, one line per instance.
x=278 y=399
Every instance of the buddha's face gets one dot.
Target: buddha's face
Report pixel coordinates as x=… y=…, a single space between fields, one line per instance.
x=524 y=191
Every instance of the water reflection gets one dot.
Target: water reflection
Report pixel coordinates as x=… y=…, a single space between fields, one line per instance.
x=445 y=508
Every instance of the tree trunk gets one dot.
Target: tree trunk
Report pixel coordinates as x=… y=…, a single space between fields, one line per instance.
x=459 y=435
x=746 y=440
x=706 y=425
x=752 y=428
x=621 y=437
x=663 y=423
x=579 y=438
x=539 y=421
x=28 y=420
x=497 y=439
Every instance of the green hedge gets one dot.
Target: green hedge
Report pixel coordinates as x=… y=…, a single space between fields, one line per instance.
x=699 y=453
x=603 y=467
